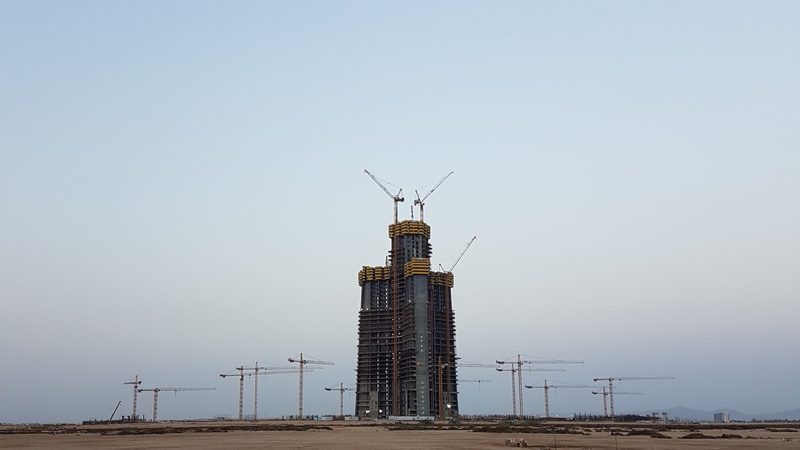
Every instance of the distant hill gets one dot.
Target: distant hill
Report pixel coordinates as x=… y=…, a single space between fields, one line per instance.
x=792 y=414
x=699 y=415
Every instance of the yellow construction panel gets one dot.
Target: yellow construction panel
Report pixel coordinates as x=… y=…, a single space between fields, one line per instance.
x=409 y=227
x=442 y=279
x=418 y=266
x=372 y=273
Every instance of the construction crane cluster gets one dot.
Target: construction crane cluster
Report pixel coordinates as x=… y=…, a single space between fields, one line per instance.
x=516 y=365
x=255 y=371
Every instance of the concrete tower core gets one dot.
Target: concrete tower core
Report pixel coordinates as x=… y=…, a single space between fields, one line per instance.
x=406 y=332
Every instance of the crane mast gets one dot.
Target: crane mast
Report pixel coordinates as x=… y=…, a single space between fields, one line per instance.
x=421 y=201
x=397 y=198
x=546 y=387
x=135 y=382
x=611 y=386
x=156 y=390
x=302 y=361
x=341 y=390
x=518 y=363
x=605 y=397
x=256 y=371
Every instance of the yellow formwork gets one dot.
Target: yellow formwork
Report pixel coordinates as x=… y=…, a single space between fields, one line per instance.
x=418 y=266
x=373 y=273
x=442 y=278
x=409 y=227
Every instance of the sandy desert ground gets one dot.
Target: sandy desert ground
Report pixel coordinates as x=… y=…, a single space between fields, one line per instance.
x=343 y=435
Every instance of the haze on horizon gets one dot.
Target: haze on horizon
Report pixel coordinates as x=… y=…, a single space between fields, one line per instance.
x=181 y=192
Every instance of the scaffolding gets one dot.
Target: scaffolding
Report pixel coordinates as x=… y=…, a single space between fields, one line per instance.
x=406 y=332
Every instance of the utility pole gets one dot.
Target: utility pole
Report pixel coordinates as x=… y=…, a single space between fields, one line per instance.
x=155 y=392
x=135 y=382
x=341 y=390
x=302 y=361
x=611 y=386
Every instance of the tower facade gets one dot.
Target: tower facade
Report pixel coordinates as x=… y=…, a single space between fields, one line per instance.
x=406 y=332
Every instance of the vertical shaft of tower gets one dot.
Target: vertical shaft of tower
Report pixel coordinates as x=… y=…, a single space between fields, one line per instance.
x=519 y=385
x=135 y=384
x=300 y=398
x=155 y=405
x=513 y=392
x=611 y=395
x=255 y=392
x=605 y=402
x=341 y=399
x=439 y=368
x=241 y=392
x=396 y=274
x=448 y=333
x=135 y=394
x=546 y=399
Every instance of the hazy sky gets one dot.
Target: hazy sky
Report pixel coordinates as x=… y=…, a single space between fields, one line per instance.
x=182 y=191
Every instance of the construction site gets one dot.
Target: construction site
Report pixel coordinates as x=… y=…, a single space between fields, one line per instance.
x=407 y=381
x=406 y=327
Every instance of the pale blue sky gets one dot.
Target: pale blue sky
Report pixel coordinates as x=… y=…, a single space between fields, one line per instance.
x=181 y=191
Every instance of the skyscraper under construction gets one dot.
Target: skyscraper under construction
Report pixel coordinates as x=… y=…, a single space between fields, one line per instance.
x=406 y=331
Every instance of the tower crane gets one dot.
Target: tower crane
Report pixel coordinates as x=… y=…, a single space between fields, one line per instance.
x=479 y=381
x=241 y=388
x=254 y=371
x=341 y=390
x=519 y=362
x=605 y=398
x=135 y=382
x=421 y=201
x=155 y=392
x=460 y=255
x=397 y=198
x=514 y=370
x=302 y=361
x=611 y=386
x=546 y=387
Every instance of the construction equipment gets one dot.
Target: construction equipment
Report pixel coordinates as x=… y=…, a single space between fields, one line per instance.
x=519 y=362
x=546 y=387
x=115 y=411
x=135 y=382
x=256 y=371
x=241 y=388
x=460 y=254
x=421 y=201
x=514 y=389
x=155 y=392
x=302 y=361
x=479 y=381
x=341 y=390
x=605 y=396
x=395 y=197
x=611 y=386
